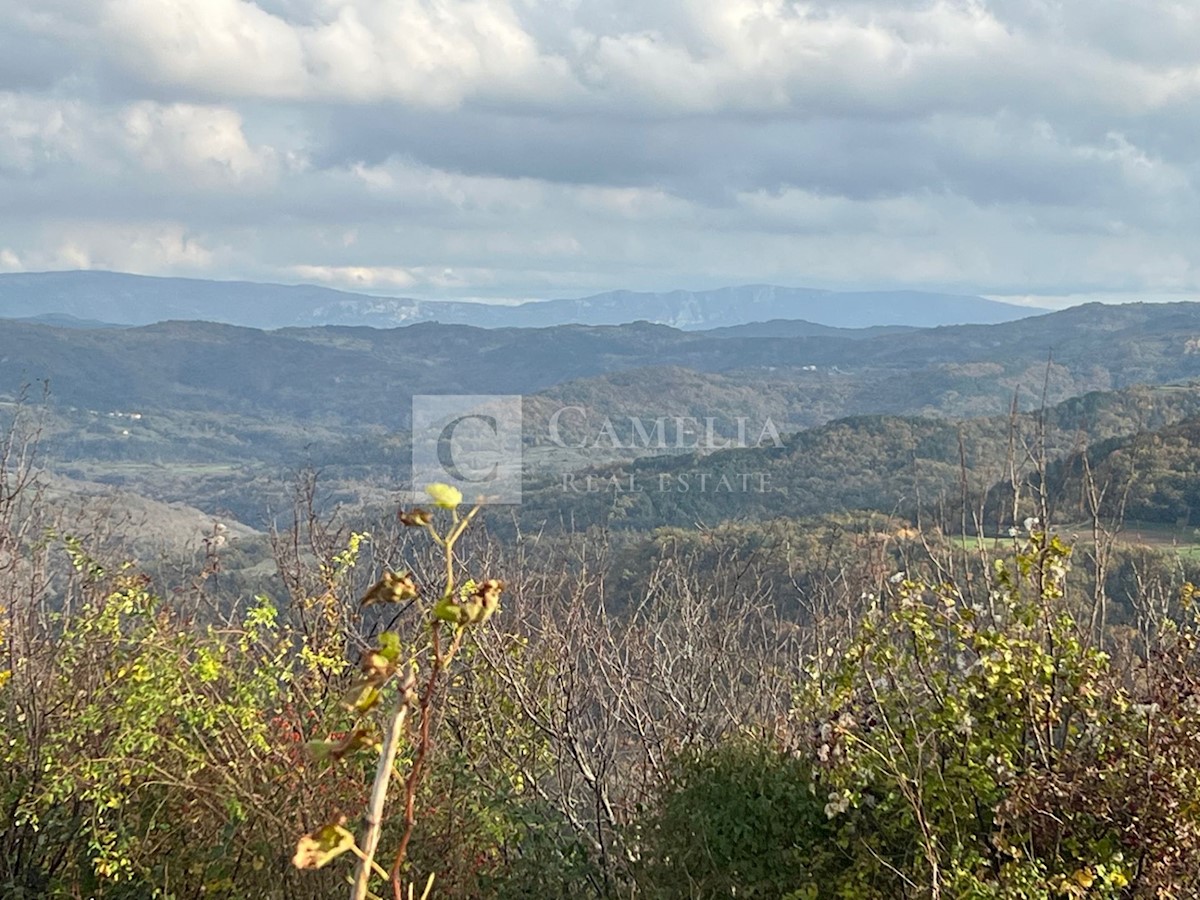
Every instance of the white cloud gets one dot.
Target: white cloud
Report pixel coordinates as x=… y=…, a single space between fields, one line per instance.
x=148 y=249
x=424 y=52
x=37 y=132
x=222 y=46
x=10 y=262
x=687 y=56
x=404 y=182
x=187 y=144
x=203 y=143
x=357 y=276
x=515 y=147
x=645 y=204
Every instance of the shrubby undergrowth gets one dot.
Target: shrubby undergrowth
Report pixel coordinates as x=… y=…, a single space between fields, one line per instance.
x=916 y=720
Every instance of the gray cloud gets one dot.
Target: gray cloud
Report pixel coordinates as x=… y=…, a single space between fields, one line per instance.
x=516 y=148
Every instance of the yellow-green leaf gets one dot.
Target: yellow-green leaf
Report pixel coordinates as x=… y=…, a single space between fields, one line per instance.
x=444 y=495
x=449 y=610
x=322 y=846
x=361 y=697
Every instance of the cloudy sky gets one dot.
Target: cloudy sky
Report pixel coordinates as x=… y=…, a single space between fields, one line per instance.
x=1038 y=149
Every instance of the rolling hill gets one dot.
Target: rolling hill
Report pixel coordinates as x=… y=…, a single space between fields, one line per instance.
x=365 y=376
x=224 y=413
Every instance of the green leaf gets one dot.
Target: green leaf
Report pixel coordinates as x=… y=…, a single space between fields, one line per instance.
x=362 y=696
x=449 y=610
x=389 y=646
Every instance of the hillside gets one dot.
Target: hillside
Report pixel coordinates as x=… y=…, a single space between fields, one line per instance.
x=895 y=465
x=146 y=527
x=1152 y=477
x=782 y=328
x=364 y=375
x=220 y=417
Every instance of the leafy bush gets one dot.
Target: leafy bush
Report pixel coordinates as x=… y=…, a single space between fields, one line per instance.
x=742 y=820
x=970 y=733
x=145 y=756
x=957 y=750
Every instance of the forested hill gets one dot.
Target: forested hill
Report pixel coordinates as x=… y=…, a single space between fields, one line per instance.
x=364 y=375
x=1151 y=477
x=220 y=410
x=899 y=464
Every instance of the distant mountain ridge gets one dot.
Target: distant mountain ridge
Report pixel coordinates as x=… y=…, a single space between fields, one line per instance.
x=143 y=300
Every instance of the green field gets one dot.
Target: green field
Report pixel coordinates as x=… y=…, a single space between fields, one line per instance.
x=1183 y=540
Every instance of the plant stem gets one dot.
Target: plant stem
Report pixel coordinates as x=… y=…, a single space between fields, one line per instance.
x=373 y=819
x=441 y=662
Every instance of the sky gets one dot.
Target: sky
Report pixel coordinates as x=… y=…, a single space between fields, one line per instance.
x=1041 y=151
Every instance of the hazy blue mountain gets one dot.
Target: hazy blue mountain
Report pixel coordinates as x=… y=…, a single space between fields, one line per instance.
x=141 y=300
x=733 y=306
